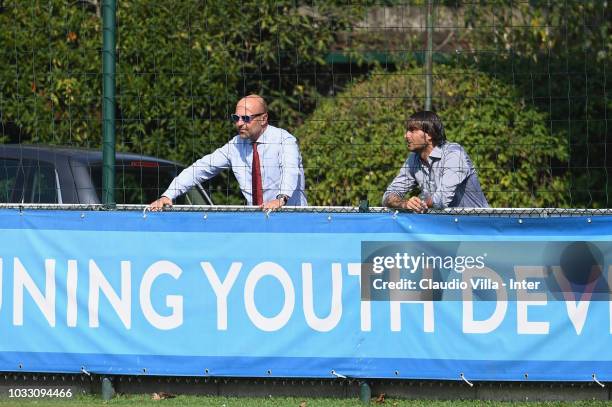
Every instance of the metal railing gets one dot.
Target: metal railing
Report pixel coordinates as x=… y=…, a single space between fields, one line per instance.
x=492 y=212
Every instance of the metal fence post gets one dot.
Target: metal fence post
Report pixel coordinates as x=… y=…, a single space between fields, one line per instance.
x=109 y=10
x=429 y=56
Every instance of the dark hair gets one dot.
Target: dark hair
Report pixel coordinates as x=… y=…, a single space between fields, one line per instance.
x=430 y=123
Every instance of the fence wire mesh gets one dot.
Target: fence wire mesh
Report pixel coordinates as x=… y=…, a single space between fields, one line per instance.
x=522 y=85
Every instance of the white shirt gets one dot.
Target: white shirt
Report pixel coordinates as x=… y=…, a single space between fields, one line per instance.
x=280 y=164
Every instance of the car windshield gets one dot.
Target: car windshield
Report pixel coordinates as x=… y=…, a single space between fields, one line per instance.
x=142 y=182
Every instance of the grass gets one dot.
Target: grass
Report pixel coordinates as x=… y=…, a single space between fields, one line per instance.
x=146 y=400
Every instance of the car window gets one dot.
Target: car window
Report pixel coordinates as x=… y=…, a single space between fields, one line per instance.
x=8 y=180
x=41 y=184
x=142 y=182
x=136 y=183
x=27 y=181
x=192 y=197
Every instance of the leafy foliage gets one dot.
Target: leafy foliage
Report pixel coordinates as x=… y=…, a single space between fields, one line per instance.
x=556 y=54
x=353 y=144
x=181 y=67
x=49 y=76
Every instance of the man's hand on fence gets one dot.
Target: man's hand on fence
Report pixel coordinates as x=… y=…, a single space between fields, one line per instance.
x=273 y=204
x=415 y=204
x=159 y=204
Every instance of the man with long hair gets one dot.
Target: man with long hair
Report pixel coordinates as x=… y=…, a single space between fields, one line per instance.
x=441 y=170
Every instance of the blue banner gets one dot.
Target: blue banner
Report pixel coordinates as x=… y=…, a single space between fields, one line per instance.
x=242 y=294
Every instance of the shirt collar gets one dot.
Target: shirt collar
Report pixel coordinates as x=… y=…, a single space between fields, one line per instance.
x=262 y=138
x=436 y=152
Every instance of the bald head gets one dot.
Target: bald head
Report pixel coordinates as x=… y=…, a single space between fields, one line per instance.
x=254 y=103
x=254 y=106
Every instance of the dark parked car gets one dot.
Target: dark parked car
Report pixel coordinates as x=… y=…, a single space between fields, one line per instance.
x=44 y=174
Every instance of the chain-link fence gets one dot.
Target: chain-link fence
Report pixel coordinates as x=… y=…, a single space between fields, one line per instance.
x=522 y=85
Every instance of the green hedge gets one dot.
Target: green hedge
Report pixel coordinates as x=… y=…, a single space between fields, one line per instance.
x=353 y=144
